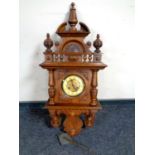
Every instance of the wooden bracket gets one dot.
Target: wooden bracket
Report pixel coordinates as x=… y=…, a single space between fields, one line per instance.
x=73 y=122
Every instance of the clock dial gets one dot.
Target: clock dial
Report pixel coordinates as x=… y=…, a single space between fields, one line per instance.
x=73 y=85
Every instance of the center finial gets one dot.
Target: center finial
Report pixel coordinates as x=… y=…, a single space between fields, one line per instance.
x=73 y=4
x=72 y=17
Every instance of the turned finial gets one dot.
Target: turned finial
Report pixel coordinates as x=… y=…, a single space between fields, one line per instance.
x=72 y=17
x=97 y=44
x=72 y=5
x=48 y=43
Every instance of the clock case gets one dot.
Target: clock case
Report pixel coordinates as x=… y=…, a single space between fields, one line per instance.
x=72 y=56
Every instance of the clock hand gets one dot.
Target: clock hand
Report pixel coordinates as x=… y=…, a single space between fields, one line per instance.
x=73 y=85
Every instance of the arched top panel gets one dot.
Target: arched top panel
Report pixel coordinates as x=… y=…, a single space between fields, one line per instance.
x=73 y=47
x=69 y=28
x=62 y=27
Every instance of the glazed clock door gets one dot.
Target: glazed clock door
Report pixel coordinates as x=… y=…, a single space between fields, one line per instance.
x=73 y=86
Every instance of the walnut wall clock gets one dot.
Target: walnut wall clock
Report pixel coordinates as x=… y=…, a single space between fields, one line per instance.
x=73 y=69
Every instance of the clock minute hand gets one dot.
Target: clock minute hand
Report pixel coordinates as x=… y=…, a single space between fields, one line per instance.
x=73 y=85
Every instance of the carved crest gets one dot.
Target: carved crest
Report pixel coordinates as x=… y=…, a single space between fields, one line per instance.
x=69 y=49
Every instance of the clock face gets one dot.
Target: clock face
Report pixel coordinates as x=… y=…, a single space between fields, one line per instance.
x=73 y=85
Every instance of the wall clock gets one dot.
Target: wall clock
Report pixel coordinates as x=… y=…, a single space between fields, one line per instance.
x=73 y=69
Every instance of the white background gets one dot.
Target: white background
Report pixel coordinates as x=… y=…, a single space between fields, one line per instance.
x=112 y=19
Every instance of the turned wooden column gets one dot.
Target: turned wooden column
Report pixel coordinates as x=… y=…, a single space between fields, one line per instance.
x=94 y=90
x=90 y=118
x=55 y=118
x=51 y=90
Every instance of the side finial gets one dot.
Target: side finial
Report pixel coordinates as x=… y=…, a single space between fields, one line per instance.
x=72 y=17
x=97 y=53
x=97 y=44
x=48 y=43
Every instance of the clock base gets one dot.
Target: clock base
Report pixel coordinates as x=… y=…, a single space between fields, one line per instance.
x=73 y=122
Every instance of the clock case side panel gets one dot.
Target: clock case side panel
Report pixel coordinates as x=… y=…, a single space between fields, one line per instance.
x=61 y=98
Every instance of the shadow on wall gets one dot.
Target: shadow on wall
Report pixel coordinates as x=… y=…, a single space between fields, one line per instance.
x=36 y=76
x=56 y=37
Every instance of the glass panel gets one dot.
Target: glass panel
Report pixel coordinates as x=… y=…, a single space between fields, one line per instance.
x=72 y=47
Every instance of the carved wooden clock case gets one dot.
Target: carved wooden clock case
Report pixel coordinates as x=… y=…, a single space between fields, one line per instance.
x=72 y=71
